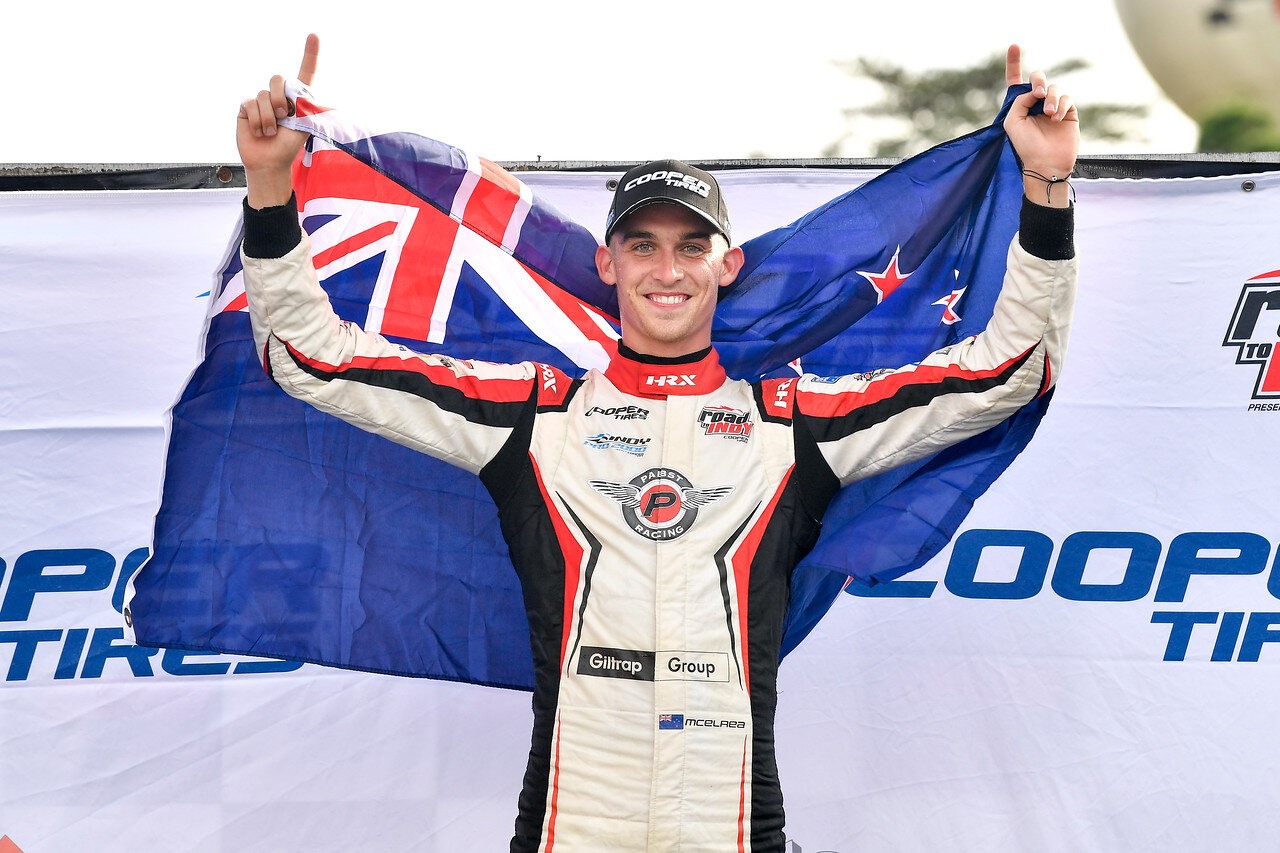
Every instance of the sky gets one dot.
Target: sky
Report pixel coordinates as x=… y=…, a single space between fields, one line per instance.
x=566 y=80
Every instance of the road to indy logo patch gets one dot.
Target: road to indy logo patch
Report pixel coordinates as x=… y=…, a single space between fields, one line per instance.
x=727 y=422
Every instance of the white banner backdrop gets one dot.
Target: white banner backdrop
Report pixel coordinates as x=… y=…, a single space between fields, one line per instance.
x=1087 y=667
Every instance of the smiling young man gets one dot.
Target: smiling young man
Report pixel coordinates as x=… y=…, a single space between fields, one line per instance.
x=667 y=252
x=654 y=511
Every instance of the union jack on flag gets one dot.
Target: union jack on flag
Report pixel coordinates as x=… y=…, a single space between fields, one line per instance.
x=287 y=533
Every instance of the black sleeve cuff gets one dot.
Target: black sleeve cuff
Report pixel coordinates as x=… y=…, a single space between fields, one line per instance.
x=1047 y=232
x=271 y=232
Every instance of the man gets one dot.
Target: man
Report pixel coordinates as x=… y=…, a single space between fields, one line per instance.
x=654 y=511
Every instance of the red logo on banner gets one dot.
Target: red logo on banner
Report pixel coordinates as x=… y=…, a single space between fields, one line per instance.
x=1255 y=332
x=7 y=845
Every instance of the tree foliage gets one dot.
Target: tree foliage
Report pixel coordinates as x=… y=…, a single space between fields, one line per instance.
x=1239 y=126
x=933 y=106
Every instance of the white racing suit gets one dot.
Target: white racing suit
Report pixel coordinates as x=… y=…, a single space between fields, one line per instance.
x=654 y=513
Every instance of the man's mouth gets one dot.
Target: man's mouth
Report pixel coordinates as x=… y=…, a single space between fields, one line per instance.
x=667 y=298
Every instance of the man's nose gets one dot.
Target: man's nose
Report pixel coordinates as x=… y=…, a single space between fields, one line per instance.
x=668 y=268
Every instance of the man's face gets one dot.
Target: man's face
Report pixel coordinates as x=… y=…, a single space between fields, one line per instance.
x=668 y=265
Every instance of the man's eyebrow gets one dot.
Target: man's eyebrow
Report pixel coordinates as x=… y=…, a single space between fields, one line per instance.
x=649 y=235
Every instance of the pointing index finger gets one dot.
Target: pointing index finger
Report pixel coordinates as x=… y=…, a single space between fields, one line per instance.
x=1013 y=65
x=310 y=55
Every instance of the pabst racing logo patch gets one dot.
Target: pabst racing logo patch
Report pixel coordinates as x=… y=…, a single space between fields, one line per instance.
x=1255 y=333
x=725 y=421
x=671 y=179
x=661 y=503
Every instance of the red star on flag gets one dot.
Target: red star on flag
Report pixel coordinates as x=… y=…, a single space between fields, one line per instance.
x=949 y=316
x=888 y=281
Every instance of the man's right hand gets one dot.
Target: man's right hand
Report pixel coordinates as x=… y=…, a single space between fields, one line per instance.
x=267 y=149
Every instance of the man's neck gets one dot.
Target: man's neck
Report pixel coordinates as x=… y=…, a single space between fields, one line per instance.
x=644 y=358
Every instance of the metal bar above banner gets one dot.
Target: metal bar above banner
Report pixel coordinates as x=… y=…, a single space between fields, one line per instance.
x=170 y=176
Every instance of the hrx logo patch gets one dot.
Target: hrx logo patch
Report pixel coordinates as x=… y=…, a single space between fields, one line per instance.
x=1255 y=332
x=548 y=378
x=672 y=379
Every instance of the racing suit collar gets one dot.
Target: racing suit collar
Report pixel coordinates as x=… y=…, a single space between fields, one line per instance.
x=649 y=376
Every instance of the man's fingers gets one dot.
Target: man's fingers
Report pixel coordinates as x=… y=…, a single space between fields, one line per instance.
x=281 y=106
x=1013 y=65
x=266 y=114
x=310 y=55
x=1066 y=110
x=1039 y=83
x=250 y=114
x=1051 y=97
x=1019 y=109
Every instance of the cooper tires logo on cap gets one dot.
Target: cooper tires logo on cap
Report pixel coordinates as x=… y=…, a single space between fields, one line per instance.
x=671 y=179
x=661 y=503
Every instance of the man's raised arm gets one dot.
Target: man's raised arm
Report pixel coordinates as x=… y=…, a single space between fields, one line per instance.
x=460 y=411
x=868 y=423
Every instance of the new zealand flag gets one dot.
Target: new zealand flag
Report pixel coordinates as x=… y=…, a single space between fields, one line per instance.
x=284 y=532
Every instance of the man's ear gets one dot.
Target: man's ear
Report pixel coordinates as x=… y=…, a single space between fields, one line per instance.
x=604 y=265
x=731 y=266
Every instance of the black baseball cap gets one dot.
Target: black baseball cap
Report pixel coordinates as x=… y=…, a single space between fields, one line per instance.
x=672 y=182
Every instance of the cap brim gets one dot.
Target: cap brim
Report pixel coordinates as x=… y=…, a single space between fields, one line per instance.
x=702 y=214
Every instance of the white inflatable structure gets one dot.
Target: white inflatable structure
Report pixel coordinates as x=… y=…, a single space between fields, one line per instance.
x=1205 y=53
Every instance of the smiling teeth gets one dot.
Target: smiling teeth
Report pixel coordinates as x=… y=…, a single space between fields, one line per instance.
x=668 y=300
